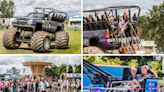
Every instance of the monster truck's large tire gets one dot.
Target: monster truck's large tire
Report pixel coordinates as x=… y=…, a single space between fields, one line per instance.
x=61 y=40
x=40 y=42
x=9 y=39
x=92 y=50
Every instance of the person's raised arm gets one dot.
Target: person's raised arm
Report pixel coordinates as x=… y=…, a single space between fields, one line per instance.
x=154 y=73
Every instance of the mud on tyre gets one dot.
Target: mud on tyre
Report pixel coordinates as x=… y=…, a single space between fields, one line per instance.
x=9 y=39
x=61 y=40
x=40 y=42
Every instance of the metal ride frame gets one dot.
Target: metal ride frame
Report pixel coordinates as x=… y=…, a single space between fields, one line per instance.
x=110 y=82
x=49 y=11
x=123 y=39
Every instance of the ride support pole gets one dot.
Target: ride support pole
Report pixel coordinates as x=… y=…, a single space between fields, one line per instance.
x=163 y=72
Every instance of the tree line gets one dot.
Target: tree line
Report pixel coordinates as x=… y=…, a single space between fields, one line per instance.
x=152 y=25
x=7 y=8
x=56 y=71
x=133 y=61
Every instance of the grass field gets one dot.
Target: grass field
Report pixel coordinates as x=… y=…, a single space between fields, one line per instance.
x=74 y=45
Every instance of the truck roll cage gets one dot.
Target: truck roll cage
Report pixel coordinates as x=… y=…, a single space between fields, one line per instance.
x=113 y=10
x=49 y=11
x=52 y=14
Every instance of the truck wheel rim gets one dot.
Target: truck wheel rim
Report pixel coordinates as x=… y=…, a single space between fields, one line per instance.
x=46 y=44
x=15 y=41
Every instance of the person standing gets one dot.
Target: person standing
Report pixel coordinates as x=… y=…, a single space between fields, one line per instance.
x=37 y=86
x=14 y=86
x=64 y=85
x=29 y=86
x=42 y=86
x=2 y=85
x=47 y=86
x=34 y=85
x=24 y=84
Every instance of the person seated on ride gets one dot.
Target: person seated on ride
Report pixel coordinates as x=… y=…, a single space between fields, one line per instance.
x=126 y=15
x=103 y=24
x=146 y=72
x=91 y=18
x=133 y=72
x=103 y=18
x=96 y=17
x=85 y=25
x=111 y=18
x=132 y=80
x=121 y=24
x=134 y=17
x=84 y=20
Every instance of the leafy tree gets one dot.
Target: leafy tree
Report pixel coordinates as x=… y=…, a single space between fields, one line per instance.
x=70 y=70
x=50 y=71
x=7 y=8
x=90 y=58
x=78 y=69
x=56 y=71
x=156 y=66
x=152 y=25
x=119 y=60
x=13 y=71
x=133 y=63
x=104 y=60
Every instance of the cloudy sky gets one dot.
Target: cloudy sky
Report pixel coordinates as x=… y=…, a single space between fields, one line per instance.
x=144 y=4
x=23 y=7
x=7 y=61
x=57 y=60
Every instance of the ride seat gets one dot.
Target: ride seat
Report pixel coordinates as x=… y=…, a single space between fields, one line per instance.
x=84 y=24
x=56 y=18
x=53 y=17
x=62 y=18
x=59 y=18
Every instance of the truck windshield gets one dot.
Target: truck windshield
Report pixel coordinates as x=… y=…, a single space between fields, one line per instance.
x=35 y=15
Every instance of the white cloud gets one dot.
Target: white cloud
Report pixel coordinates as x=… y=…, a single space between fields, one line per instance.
x=23 y=7
x=7 y=61
x=57 y=60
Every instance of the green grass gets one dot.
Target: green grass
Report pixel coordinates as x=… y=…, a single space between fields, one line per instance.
x=74 y=45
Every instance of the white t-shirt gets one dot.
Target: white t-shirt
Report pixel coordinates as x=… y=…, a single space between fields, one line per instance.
x=47 y=84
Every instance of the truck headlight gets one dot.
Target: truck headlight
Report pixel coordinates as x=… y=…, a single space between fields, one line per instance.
x=30 y=22
x=13 y=20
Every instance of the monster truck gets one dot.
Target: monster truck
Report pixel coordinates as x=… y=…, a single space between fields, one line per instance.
x=38 y=29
